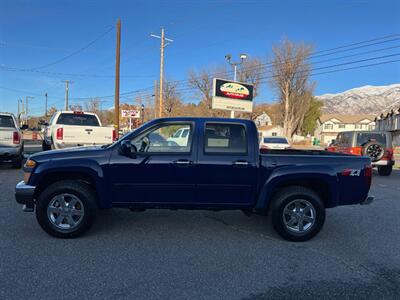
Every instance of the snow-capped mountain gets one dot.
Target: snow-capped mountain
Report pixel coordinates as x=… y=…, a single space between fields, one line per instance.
x=363 y=100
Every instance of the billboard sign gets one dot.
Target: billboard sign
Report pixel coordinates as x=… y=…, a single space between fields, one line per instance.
x=232 y=95
x=130 y=113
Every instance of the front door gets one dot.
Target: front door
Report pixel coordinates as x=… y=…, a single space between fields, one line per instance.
x=161 y=172
x=226 y=168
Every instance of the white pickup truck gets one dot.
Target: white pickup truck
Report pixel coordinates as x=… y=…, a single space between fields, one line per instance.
x=75 y=128
x=11 y=144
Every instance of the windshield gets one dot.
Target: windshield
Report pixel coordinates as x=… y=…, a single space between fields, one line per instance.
x=78 y=120
x=7 y=121
x=272 y=140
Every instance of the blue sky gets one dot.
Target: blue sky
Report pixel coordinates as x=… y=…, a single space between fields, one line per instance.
x=35 y=33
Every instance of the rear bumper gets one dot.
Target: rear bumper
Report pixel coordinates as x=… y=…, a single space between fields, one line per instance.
x=368 y=200
x=10 y=153
x=24 y=194
x=383 y=163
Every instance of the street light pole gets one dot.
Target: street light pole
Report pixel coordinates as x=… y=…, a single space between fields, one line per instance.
x=228 y=57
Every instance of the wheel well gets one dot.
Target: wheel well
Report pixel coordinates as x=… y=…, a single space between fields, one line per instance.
x=320 y=187
x=51 y=178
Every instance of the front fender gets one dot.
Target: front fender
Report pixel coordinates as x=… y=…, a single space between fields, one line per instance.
x=70 y=168
x=292 y=174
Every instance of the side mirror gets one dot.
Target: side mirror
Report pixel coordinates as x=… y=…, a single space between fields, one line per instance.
x=23 y=127
x=127 y=149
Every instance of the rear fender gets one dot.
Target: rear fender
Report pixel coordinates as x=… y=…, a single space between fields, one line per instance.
x=298 y=175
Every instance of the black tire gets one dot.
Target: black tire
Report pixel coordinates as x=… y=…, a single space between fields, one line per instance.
x=385 y=170
x=17 y=163
x=78 y=189
x=286 y=197
x=45 y=147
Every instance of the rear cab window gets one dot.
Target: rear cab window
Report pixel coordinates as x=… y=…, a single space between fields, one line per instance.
x=364 y=138
x=77 y=119
x=6 y=121
x=225 y=138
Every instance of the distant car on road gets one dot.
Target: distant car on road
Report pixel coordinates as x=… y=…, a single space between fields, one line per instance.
x=180 y=137
x=11 y=144
x=274 y=142
x=76 y=128
x=376 y=145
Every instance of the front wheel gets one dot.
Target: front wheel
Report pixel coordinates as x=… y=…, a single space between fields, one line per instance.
x=385 y=170
x=298 y=213
x=66 y=209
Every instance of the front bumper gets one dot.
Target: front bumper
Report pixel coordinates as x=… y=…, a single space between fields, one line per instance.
x=368 y=200
x=24 y=195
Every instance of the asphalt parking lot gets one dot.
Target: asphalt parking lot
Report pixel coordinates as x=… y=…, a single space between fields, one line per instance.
x=203 y=255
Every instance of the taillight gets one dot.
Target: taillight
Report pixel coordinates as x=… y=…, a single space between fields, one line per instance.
x=356 y=150
x=368 y=174
x=114 y=135
x=16 y=137
x=388 y=154
x=60 y=134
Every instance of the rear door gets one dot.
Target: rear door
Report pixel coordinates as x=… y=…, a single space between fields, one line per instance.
x=226 y=169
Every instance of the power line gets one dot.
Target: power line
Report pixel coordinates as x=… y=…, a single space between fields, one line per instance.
x=77 y=51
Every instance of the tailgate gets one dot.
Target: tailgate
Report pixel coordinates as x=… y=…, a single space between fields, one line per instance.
x=6 y=136
x=87 y=135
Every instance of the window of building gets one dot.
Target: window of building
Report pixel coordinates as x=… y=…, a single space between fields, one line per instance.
x=274 y=134
x=328 y=126
x=358 y=126
x=342 y=126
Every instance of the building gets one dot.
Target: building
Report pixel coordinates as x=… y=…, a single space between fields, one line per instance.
x=390 y=121
x=330 y=125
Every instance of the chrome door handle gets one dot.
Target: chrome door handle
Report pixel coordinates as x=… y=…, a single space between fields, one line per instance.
x=241 y=163
x=183 y=163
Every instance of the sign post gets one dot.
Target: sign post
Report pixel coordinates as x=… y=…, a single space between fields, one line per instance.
x=131 y=114
x=232 y=96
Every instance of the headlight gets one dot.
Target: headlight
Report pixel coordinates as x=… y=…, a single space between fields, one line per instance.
x=30 y=164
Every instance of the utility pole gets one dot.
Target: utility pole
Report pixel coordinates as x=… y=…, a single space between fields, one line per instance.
x=19 y=109
x=117 y=64
x=45 y=107
x=67 y=82
x=162 y=46
x=26 y=107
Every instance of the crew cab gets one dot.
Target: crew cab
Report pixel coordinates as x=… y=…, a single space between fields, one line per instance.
x=11 y=143
x=76 y=128
x=220 y=167
x=377 y=145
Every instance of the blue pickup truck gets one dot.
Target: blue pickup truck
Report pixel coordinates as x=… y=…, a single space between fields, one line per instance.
x=212 y=164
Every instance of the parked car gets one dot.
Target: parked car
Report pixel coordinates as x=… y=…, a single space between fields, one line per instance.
x=373 y=144
x=219 y=168
x=274 y=142
x=75 y=128
x=180 y=136
x=11 y=144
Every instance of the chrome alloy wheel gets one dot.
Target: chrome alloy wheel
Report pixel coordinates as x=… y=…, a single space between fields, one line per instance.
x=65 y=211
x=299 y=216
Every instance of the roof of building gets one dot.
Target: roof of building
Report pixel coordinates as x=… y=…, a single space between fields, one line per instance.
x=347 y=119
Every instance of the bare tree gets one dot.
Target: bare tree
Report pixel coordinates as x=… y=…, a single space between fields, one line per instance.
x=93 y=105
x=290 y=78
x=251 y=71
x=203 y=82
x=172 y=99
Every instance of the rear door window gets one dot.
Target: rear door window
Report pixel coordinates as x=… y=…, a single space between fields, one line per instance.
x=225 y=138
x=78 y=120
x=364 y=138
x=7 y=121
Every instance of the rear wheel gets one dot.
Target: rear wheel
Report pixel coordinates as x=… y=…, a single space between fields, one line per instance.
x=66 y=209
x=298 y=213
x=385 y=170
